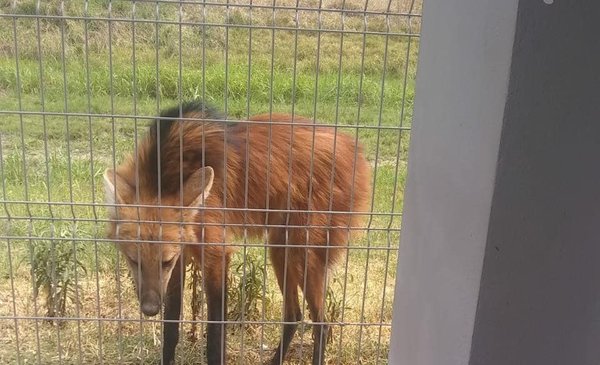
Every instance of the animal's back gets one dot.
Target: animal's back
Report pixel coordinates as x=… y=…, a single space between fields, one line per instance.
x=293 y=176
x=320 y=177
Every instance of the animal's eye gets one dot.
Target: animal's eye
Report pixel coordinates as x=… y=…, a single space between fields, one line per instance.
x=168 y=263
x=132 y=261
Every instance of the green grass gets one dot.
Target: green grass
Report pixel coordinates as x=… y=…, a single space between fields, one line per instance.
x=93 y=69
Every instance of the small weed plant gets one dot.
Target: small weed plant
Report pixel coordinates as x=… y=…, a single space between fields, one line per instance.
x=56 y=269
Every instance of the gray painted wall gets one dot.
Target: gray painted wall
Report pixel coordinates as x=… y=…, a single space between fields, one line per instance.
x=462 y=82
x=539 y=301
x=500 y=250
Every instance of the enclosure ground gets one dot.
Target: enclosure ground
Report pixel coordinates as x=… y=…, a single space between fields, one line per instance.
x=79 y=84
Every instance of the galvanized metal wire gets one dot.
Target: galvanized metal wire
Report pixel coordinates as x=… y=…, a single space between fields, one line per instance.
x=56 y=140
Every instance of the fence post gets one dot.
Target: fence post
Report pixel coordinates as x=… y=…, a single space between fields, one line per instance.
x=499 y=256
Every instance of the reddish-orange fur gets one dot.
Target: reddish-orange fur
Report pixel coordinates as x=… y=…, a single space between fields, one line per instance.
x=271 y=170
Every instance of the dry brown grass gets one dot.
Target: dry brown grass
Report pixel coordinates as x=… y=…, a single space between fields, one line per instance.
x=108 y=326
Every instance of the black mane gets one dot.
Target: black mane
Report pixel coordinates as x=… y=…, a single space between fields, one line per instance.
x=162 y=125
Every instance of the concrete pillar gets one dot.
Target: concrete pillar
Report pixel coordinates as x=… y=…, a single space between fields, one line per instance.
x=499 y=259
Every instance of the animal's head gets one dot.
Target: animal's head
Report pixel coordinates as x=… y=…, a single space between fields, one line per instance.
x=150 y=235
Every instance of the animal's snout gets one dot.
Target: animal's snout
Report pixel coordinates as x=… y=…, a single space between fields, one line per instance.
x=150 y=304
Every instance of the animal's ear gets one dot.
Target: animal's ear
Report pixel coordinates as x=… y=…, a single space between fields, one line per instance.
x=113 y=196
x=197 y=187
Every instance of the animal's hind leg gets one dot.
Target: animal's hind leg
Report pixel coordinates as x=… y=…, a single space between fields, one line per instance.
x=314 y=294
x=288 y=280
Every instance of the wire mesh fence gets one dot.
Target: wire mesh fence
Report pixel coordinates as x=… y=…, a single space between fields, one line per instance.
x=283 y=100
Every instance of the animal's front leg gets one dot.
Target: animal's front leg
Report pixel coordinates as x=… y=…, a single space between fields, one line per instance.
x=215 y=274
x=172 y=313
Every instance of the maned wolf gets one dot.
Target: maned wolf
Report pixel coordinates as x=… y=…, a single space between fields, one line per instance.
x=197 y=181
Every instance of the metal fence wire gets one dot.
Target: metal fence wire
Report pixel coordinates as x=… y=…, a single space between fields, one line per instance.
x=241 y=162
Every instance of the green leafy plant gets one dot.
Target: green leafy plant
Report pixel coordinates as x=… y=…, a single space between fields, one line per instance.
x=55 y=267
x=245 y=291
x=246 y=288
